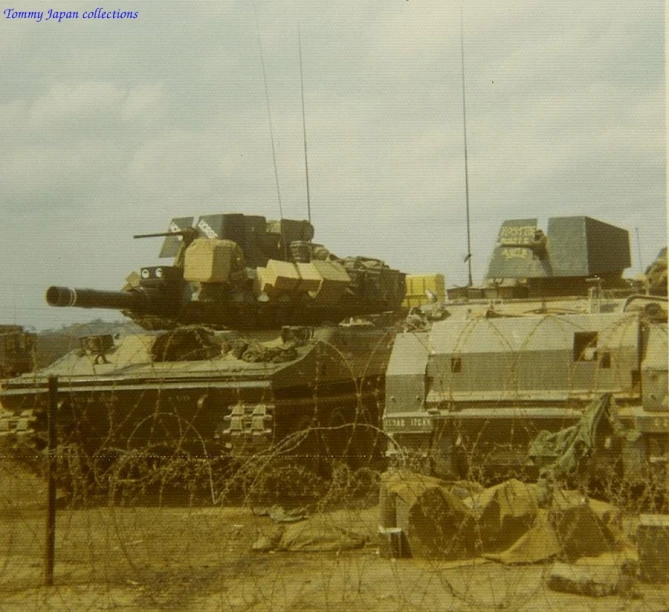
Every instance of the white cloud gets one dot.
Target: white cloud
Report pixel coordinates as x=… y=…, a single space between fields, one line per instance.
x=85 y=101
x=13 y=117
x=48 y=171
x=144 y=99
x=178 y=165
x=91 y=103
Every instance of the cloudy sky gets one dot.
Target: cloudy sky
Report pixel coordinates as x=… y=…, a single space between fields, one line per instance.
x=112 y=127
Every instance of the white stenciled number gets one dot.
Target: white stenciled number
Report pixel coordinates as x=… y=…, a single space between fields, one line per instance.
x=206 y=228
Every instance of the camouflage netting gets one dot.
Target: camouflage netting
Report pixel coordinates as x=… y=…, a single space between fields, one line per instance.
x=563 y=454
x=188 y=343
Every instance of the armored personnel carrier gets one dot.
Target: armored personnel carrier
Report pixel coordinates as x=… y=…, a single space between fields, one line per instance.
x=554 y=336
x=258 y=340
x=17 y=348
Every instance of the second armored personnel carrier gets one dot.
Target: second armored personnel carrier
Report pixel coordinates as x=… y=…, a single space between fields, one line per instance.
x=258 y=340
x=17 y=350
x=472 y=383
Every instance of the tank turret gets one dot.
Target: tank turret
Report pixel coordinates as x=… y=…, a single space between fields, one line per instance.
x=244 y=272
x=566 y=261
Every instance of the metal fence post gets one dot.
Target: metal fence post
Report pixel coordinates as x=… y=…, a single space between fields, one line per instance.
x=49 y=552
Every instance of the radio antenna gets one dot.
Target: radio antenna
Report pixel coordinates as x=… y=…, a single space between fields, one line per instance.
x=304 y=122
x=638 y=247
x=468 y=259
x=271 y=132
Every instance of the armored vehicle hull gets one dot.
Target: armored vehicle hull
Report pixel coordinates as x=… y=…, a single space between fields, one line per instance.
x=17 y=348
x=302 y=394
x=476 y=392
x=475 y=385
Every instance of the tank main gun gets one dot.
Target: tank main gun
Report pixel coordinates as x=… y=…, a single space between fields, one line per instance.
x=140 y=299
x=243 y=272
x=158 y=293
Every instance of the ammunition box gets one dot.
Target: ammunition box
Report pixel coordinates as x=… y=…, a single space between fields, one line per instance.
x=653 y=546
x=418 y=284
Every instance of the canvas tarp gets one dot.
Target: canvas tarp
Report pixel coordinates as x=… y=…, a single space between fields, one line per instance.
x=503 y=523
x=331 y=531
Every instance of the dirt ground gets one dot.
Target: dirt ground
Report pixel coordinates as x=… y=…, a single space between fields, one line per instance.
x=183 y=557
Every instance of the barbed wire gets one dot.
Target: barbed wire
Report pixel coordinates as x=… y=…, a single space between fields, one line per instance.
x=164 y=521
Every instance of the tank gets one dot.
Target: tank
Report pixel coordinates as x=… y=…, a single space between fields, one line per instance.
x=555 y=347
x=234 y=271
x=258 y=341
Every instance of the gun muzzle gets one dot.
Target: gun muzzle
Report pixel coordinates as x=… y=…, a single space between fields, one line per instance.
x=91 y=298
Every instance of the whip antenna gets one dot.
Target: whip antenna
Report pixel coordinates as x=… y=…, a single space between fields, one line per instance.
x=304 y=123
x=464 y=124
x=271 y=132
x=638 y=247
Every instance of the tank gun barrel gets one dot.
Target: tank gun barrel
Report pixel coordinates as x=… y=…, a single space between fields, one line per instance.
x=136 y=300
